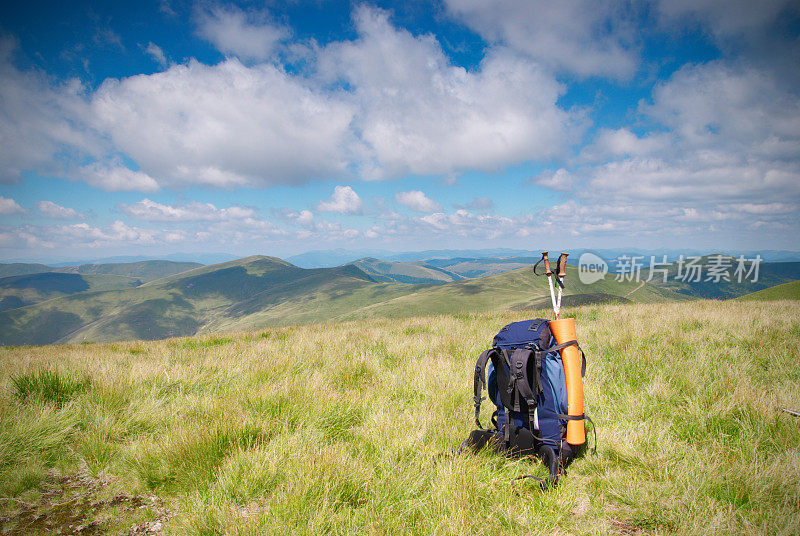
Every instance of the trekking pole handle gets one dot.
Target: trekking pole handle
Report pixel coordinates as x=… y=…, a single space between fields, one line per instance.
x=547 y=270
x=562 y=265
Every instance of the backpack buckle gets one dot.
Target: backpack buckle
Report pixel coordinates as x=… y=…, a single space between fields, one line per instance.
x=519 y=373
x=477 y=400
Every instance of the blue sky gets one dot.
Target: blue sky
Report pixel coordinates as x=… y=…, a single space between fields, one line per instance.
x=157 y=127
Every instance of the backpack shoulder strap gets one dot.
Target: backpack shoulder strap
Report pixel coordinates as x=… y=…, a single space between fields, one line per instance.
x=519 y=372
x=479 y=383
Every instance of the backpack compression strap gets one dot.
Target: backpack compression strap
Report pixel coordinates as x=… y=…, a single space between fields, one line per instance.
x=519 y=375
x=480 y=383
x=582 y=417
x=563 y=345
x=508 y=423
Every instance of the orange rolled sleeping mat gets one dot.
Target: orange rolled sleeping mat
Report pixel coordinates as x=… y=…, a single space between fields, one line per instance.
x=563 y=330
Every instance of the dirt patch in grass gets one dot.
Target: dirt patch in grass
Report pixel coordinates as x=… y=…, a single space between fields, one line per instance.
x=79 y=504
x=628 y=527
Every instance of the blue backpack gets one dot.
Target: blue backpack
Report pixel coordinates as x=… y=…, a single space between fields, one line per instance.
x=524 y=377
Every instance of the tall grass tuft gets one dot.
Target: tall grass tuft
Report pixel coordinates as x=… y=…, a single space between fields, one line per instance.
x=49 y=386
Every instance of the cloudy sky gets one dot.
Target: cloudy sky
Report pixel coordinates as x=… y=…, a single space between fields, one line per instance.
x=166 y=126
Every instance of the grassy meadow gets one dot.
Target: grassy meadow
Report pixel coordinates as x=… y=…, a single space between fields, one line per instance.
x=338 y=429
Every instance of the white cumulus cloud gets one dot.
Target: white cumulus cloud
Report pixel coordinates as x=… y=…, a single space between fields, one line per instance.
x=56 y=211
x=344 y=201
x=723 y=17
x=725 y=148
x=248 y=35
x=560 y=180
x=225 y=125
x=115 y=178
x=39 y=118
x=303 y=218
x=418 y=113
x=88 y=235
x=194 y=211
x=615 y=143
x=465 y=223
x=9 y=206
x=383 y=105
x=155 y=52
x=417 y=200
x=585 y=37
x=728 y=106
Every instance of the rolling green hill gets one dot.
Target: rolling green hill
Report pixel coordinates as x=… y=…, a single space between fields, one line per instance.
x=22 y=290
x=28 y=284
x=144 y=270
x=404 y=272
x=258 y=291
x=176 y=305
x=514 y=290
x=479 y=267
x=20 y=268
x=786 y=291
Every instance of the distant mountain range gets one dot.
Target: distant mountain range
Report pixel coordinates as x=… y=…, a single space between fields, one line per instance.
x=337 y=257
x=259 y=291
x=159 y=299
x=198 y=258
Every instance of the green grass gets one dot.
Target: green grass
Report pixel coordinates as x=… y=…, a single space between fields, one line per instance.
x=337 y=428
x=194 y=344
x=48 y=386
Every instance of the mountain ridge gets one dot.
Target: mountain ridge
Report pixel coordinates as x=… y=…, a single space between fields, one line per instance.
x=145 y=270
x=259 y=291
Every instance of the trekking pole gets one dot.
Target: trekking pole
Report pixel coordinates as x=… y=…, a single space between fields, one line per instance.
x=549 y=273
x=561 y=267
